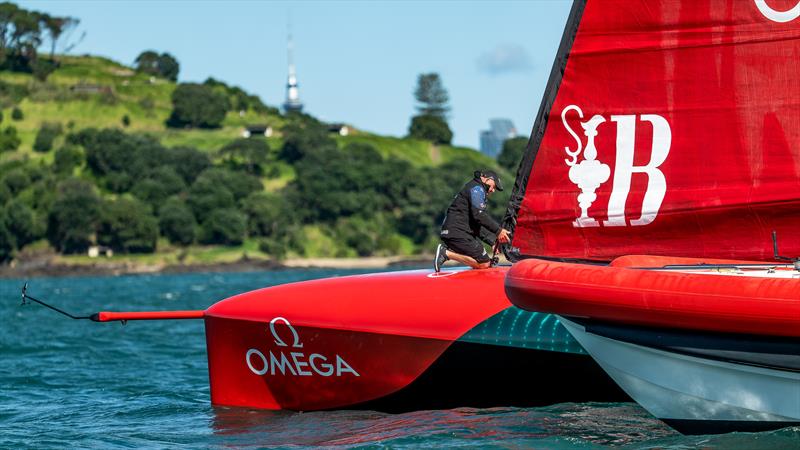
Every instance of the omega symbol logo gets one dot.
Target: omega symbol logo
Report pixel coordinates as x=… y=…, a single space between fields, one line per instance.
x=778 y=16
x=294 y=363
x=278 y=341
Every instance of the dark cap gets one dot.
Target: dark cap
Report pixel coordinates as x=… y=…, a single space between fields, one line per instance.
x=493 y=175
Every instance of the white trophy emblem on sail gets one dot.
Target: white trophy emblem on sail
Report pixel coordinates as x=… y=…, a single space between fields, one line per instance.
x=590 y=173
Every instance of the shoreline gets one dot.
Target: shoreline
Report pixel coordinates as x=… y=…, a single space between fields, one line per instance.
x=50 y=267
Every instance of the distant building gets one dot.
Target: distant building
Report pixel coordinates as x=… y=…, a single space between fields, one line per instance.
x=493 y=138
x=90 y=88
x=97 y=250
x=339 y=128
x=292 y=102
x=257 y=130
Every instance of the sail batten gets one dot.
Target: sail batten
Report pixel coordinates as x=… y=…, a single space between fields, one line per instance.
x=672 y=129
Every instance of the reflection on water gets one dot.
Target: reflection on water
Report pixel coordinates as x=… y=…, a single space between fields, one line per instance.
x=606 y=424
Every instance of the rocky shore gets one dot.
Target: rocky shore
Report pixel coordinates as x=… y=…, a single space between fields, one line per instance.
x=49 y=265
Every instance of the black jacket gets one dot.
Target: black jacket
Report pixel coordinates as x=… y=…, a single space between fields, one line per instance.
x=467 y=214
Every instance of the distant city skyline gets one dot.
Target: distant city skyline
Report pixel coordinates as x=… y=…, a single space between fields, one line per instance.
x=499 y=131
x=356 y=62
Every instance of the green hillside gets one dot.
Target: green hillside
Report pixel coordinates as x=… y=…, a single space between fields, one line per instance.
x=86 y=92
x=376 y=208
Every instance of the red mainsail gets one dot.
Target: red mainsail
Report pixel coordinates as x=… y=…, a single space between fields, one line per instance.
x=669 y=128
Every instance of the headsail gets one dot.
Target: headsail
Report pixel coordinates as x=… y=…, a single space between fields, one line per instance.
x=668 y=127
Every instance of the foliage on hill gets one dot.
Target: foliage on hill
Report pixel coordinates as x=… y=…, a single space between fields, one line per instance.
x=512 y=152
x=163 y=65
x=22 y=32
x=72 y=176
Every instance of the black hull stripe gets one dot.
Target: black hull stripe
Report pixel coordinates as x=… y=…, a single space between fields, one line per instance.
x=484 y=376
x=778 y=353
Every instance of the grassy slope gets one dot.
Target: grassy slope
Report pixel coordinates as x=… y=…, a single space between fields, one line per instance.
x=147 y=103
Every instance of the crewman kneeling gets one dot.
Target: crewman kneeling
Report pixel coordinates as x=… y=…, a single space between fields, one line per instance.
x=467 y=223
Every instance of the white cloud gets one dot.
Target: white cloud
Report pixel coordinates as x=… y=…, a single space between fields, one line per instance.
x=504 y=58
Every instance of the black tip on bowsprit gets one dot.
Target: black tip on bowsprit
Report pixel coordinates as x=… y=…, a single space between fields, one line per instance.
x=24 y=293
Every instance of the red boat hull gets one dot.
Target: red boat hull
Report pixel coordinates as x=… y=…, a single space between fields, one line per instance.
x=341 y=341
x=623 y=294
x=394 y=342
x=331 y=365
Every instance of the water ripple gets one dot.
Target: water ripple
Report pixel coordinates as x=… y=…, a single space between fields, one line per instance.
x=76 y=384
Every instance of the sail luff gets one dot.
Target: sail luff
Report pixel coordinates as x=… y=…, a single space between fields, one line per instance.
x=540 y=123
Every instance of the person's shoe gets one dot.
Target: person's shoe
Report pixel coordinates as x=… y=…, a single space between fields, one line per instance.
x=441 y=257
x=495 y=261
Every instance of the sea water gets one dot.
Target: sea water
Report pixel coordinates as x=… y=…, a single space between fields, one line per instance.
x=77 y=384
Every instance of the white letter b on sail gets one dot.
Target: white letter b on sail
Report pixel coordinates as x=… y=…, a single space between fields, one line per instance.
x=624 y=169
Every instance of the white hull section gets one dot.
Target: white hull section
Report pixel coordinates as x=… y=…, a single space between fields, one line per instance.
x=673 y=386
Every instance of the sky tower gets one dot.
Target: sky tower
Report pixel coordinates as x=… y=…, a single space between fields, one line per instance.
x=292 y=102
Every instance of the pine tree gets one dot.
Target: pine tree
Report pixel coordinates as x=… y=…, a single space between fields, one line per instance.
x=431 y=95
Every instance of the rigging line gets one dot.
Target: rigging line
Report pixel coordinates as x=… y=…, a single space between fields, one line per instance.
x=714 y=266
x=25 y=297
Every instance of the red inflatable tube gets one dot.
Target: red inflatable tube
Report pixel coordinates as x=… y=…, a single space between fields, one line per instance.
x=670 y=299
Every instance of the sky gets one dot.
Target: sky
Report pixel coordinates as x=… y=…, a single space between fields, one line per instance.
x=357 y=61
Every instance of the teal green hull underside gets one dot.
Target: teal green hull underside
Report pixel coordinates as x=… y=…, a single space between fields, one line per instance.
x=514 y=327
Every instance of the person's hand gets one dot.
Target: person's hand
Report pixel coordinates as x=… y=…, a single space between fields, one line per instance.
x=503 y=236
x=496 y=247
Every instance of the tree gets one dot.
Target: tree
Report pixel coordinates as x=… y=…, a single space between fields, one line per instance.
x=176 y=222
x=16 y=180
x=241 y=100
x=5 y=194
x=67 y=158
x=128 y=226
x=6 y=240
x=431 y=95
x=239 y=184
x=430 y=128
x=512 y=152
x=197 y=105
x=147 y=62
x=302 y=137
x=119 y=158
x=223 y=226
x=163 y=65
x=206 y=196
x=250 y=152
x=333 y=183
x=161 y=183
x=362 y=235
x=56 y=26
x=9 y=141
x=276 y=248
x=168 y=66
x=188 y=162
x=21 y=35
x=21 y=223
x=268 y=214
x=431 y=122
x=16 y=114
x=46 y=135
x=73 y=217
